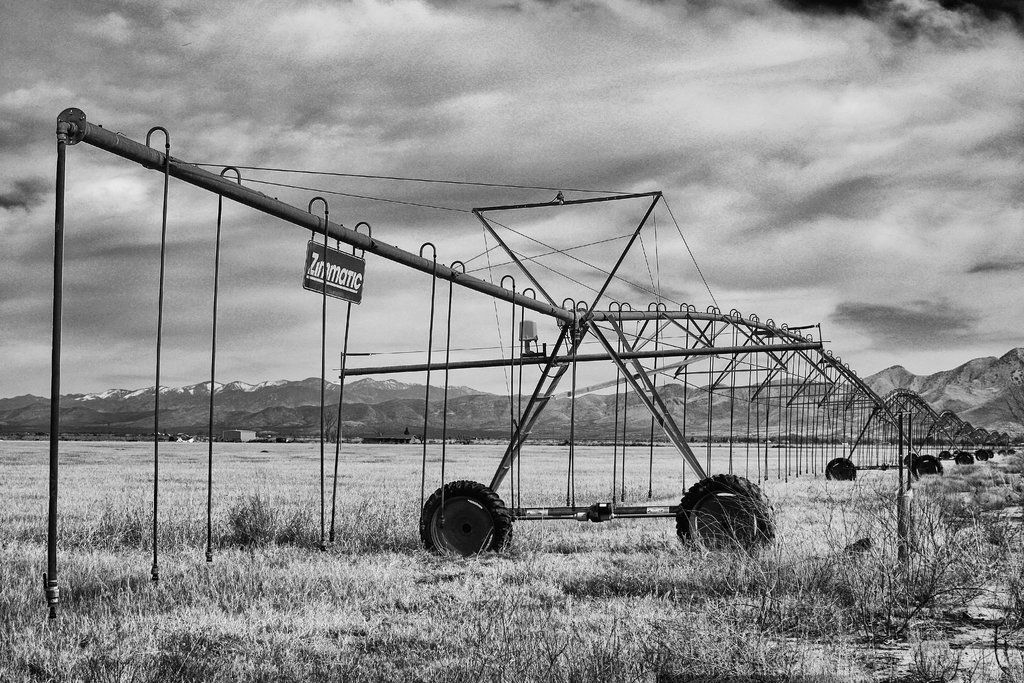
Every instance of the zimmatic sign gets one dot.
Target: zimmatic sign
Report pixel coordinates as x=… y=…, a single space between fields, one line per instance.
x=341 y=273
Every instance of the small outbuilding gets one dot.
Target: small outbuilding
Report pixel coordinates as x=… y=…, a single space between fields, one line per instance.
x=238 y=435
x=390 y=439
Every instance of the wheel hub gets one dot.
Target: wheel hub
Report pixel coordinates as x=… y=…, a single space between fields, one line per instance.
x=723 y=519
x=463 y=526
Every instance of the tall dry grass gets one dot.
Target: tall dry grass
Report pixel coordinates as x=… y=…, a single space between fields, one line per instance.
x=567 y=602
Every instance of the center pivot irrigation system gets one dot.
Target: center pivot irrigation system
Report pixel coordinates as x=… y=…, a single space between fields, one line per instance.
x=769 y=399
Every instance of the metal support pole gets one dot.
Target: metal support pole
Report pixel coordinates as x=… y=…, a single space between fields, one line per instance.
x=908 y=498
x=52 y=591
x=901 y=511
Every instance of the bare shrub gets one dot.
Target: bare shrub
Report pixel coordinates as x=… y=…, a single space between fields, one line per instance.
x=934 y=662
x=256 y=520
x=946 y=566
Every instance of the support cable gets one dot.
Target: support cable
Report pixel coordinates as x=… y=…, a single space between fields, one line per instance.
x=519 y=407
x=732 y=405
x=323 y=377
x=654 y=381
x=552 y=252
x=213 y=372
x=711 y=405
x=430 y=346
x=690 y=252
x=439 y=181
x=341 y=398
x=686 y=386
x=571 y=482
x=155 y=571
x=444 y=401
x=767 y=422
x=358 y=196
x=497 y=322
x=625 y=422
x=565 y=252
x=615 y=425
x=511 y=385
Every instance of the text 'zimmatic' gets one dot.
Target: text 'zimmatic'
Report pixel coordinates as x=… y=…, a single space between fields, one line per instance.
x=333 y=272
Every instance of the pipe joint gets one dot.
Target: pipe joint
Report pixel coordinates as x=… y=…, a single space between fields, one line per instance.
x=71 y=126
x=52 y=590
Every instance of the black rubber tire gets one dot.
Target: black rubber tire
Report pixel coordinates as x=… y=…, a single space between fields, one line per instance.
x=963 y=458
x=840 y=469
x=982 y=454
x=945 y=455
x=926 y=464
x=725 y=511
x=475 y=520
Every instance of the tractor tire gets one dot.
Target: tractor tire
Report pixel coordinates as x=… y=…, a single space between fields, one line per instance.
x=963 y=458
x=473 y=520
x=841 y=469
x=725 y=511
x=945 y=455
x=926 y=464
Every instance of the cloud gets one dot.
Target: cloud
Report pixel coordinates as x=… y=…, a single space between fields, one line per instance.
x=935 y=19
x=809 y=158
x=920 y=323
x=1003 y=266
x=24 y=194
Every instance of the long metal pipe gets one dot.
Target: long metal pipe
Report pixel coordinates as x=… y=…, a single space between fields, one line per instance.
x=52 y=591
x=584 y=358
x=127 y=148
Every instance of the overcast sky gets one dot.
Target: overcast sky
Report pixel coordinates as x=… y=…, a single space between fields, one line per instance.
x=855 y=164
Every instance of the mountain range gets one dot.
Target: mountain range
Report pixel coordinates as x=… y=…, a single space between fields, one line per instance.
x=987 y=392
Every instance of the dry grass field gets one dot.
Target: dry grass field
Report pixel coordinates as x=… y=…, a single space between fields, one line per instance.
x=567 y=601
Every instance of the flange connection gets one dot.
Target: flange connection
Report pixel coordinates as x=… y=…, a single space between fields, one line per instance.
x=71 y=124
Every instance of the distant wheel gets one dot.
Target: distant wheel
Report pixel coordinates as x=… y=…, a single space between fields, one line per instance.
x=926 y=464
x=963 y=458
x=473 y=520
x=945 y=455
x=982 y=454
x=841 y=469
x=725 y=511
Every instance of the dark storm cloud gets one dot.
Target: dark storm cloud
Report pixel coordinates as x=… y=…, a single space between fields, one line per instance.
x=919 y=17
x=24 y=193
x=917 y=323
x=1004 y=266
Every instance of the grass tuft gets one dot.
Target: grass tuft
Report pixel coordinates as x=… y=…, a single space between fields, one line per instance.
x=256 y=520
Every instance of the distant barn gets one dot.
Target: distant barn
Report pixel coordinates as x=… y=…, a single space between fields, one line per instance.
x=388 y=439
x=237 y=435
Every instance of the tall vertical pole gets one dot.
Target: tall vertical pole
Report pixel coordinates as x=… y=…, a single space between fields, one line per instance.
x=50 y=577
x=908 y=498
x=901 y=510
